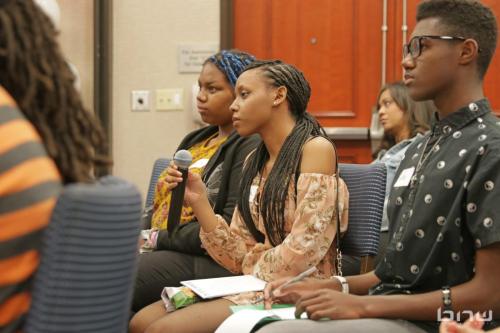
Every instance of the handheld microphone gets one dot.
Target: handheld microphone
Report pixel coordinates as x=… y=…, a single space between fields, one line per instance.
x=182 y=159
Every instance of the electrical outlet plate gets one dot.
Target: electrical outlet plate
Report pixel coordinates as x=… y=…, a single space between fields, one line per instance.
x=140 y=100
x=169 y=99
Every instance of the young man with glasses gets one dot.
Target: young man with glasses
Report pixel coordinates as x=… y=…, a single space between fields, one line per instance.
x=442 y=258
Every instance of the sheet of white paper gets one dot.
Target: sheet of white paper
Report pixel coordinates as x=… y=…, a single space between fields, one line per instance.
x=218 y=287
x=244 y=320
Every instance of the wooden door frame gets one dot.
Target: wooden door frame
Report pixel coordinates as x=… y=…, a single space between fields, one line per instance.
x=103 y=33
x=226 y=24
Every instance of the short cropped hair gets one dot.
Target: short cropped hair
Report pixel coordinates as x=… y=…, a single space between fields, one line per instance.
x=468 y=19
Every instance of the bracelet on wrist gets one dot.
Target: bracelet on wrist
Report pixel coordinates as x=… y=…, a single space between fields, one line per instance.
x=446 y=298
x=343 y=283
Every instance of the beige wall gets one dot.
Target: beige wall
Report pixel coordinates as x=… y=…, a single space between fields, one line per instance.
x=145 y=38
x=77 y=42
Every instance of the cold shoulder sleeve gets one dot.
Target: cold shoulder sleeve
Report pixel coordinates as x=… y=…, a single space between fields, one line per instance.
x=311 y=228
x=229 y=244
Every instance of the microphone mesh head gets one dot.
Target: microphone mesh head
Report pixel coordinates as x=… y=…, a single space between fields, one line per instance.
x=183 y=159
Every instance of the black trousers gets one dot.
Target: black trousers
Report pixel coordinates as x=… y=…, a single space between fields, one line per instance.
x=160 y=269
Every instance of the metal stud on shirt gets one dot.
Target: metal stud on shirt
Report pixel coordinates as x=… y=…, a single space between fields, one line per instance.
x=441 y=220
x=488 y=222
x=473 y=107
x=439 y=237
x=457 y=134
x=462 y=152
x=414 y=269
x=471 y=207
x=428 y=199
x=413 y=181
x=489 y=185
x=448 y=183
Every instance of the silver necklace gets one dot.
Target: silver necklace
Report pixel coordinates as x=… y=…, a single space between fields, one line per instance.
x=423 y=158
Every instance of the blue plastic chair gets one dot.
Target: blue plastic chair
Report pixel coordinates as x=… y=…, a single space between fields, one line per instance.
x=158 y=167
x=84 y=281
x=366 y=184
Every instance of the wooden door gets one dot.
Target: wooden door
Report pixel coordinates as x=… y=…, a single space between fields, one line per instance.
x=326 y=41
x=492 y=78
x=338 y=45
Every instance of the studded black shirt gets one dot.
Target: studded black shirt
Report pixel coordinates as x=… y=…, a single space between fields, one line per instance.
x=446 y=207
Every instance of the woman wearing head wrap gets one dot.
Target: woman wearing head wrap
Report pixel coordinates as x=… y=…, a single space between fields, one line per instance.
x=218 y=155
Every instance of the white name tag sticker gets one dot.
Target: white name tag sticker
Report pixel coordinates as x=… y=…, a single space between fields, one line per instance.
x=404 y=177
x=253 y=193
x=199 y=164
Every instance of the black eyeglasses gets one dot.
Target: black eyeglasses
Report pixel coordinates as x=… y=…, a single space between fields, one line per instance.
x=414 y=47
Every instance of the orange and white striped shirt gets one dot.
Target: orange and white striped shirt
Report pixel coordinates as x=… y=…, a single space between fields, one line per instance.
x=29 y=185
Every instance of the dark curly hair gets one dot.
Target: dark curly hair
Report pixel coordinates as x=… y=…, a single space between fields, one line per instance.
x=287 y=166
x=468 y=19
x=34 y=71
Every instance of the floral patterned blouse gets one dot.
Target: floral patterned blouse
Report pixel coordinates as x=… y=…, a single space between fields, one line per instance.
x=201 y=153
x=310 y=224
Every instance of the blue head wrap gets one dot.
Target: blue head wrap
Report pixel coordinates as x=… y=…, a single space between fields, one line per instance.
x=231 y=63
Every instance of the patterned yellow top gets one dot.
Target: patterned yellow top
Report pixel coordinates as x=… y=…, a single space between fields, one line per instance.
x=201 y=152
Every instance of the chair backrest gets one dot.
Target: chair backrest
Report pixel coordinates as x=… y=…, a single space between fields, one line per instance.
x=87 y=265
x=366 y=184
x=158 y=167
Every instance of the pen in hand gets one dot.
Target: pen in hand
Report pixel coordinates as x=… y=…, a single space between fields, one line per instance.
x=297 y=278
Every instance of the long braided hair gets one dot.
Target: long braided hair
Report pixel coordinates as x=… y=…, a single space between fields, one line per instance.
x=34 y=72
x=287 y=166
